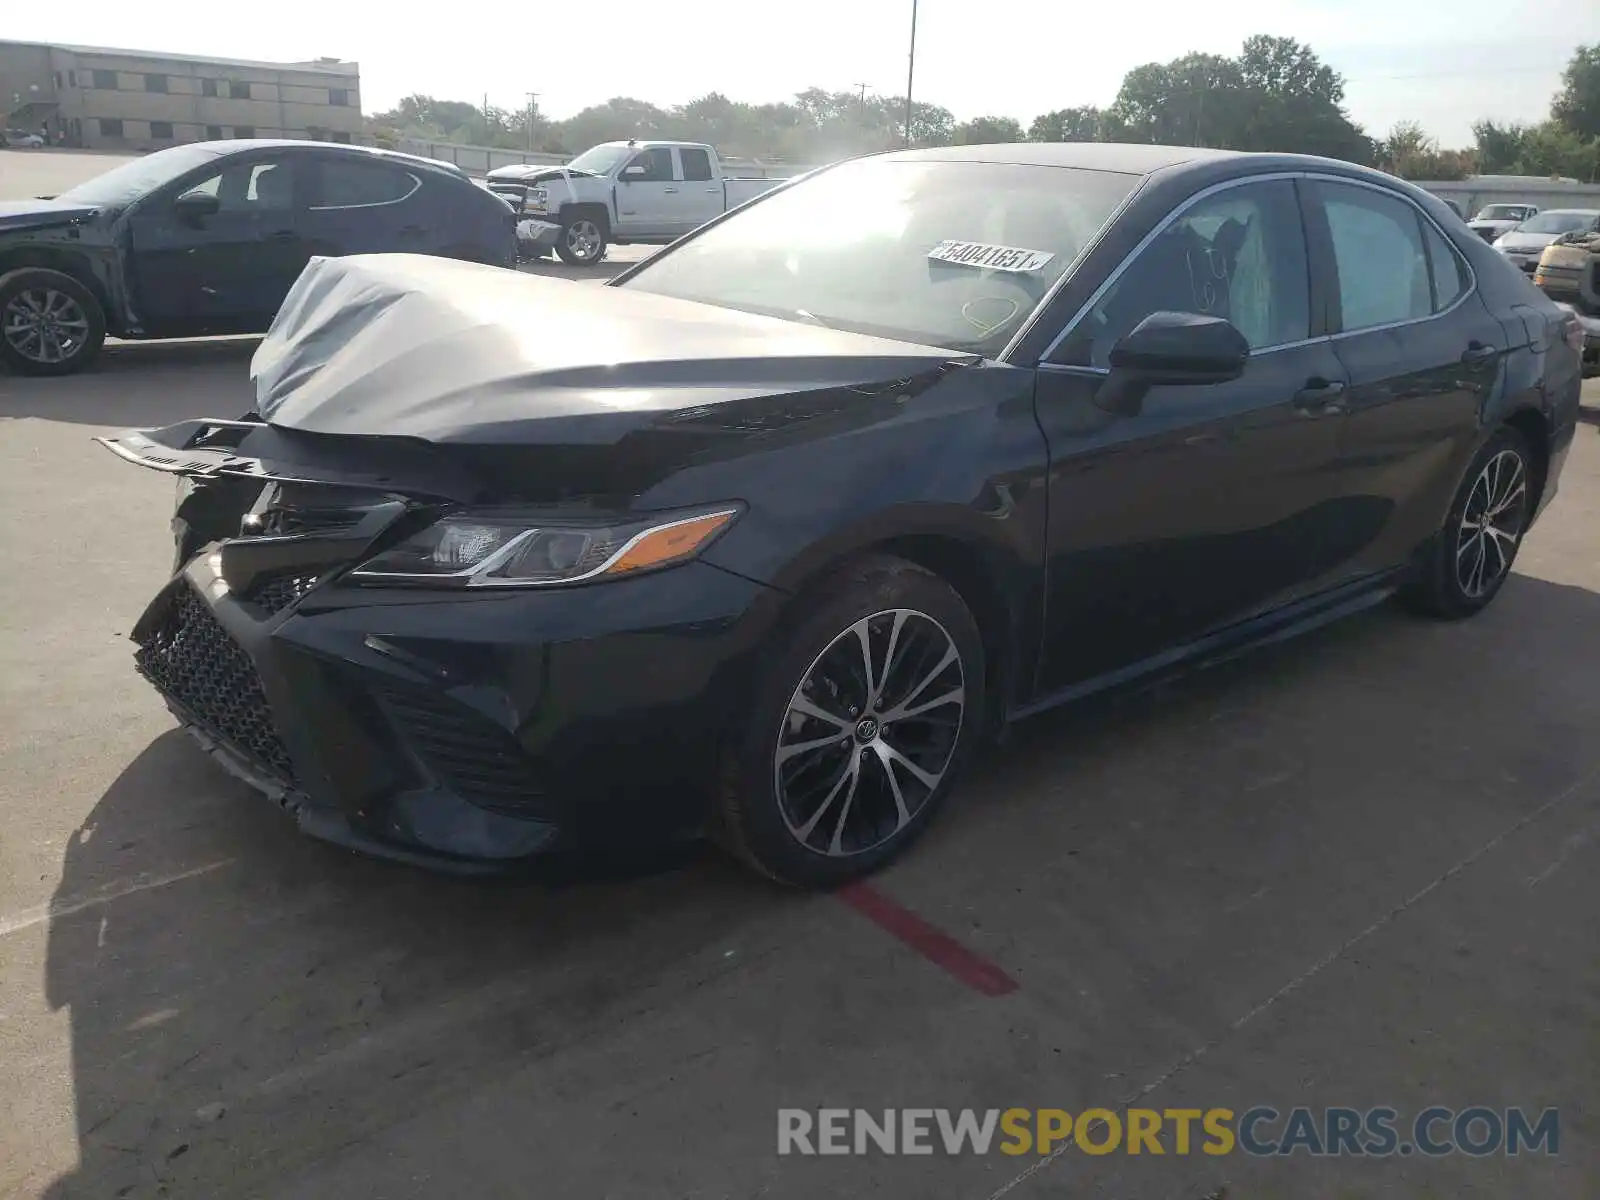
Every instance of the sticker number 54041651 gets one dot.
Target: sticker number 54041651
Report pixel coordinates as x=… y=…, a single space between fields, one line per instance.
x=990 y=258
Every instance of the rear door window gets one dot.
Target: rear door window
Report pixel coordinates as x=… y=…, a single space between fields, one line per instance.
x=352 y=183
x=1378 y=252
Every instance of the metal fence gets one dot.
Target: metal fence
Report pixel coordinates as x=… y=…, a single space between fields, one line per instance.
x=479 y=160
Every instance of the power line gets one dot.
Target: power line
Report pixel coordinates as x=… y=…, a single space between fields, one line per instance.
x=1475 y=73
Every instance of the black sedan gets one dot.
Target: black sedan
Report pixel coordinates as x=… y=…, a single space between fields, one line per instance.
x=761 y=539
x=208 y=238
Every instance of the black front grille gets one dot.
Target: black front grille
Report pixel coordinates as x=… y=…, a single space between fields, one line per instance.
x=477 y=759
x=192 y=660
x=277 y=592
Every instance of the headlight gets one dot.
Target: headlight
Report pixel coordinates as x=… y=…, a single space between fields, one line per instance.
x=492 y=550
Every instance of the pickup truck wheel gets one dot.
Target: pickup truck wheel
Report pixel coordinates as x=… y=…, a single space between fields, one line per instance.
x=582 y=240
x=50 y=324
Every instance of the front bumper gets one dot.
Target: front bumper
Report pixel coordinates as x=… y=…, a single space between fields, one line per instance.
x=1526 y=261
x=538 y=233
x=465 y=733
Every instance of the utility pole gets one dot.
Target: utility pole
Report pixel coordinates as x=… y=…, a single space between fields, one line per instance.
x=533 y=99
x=911 y=71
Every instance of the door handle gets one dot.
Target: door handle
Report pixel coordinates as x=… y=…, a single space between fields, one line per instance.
x=669 y=191
x=283 y=235
x=1320 y=396
x=1478 y=352
x=711 y=191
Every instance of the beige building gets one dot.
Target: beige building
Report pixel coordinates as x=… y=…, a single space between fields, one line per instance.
x=136 y=100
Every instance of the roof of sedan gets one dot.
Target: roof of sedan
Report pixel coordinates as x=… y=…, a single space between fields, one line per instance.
x=1093 y=156
x=238 y=145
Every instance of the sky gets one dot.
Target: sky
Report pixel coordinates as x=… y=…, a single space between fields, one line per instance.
x=1442 y=64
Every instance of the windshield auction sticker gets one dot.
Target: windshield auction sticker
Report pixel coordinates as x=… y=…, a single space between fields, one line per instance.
x=990 y=258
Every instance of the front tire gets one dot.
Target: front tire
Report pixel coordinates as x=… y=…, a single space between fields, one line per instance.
x=1471 y=558
x=861 y=723
x=582 y=240
x=50 y=324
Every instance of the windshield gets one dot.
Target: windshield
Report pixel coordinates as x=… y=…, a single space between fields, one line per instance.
x=1503 y=212
x=1558 y=222
x=126 y=183
x=953 y=254
x=600 y=159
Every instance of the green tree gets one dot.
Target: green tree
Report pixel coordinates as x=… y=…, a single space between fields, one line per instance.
x=1411 y=153
x=1577 y=105
x=1085 y=123
x=1499 y=146
x=984 y=131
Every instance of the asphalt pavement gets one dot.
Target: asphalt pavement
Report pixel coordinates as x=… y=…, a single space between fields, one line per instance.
x=1359 y=869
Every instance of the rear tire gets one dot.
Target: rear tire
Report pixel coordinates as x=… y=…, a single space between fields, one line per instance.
x=848 y=755
x=50 y=324
x=1471 y=558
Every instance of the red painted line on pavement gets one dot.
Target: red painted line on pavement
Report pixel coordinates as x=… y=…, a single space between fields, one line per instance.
x=933 y=944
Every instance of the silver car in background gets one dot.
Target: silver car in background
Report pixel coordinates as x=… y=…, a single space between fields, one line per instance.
x=1523 y=245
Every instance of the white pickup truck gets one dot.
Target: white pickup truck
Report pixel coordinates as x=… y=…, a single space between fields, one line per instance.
x=621 y=193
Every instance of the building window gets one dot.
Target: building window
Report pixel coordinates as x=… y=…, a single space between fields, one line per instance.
x=105 y=80
x=213 y=133
x=208 y=87
x=72 y=79
x=339 y=97
x=342 y=138
x=110 y=127
x=155 y=83
x=238 y=90
x=244 y=131
x=58 y=78
x=161 y=130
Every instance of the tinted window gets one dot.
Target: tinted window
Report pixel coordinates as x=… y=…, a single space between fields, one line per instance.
x=338 y=97
x=954 y=254
x=1377 y=248
x=1449 y=275
x=1239 y=254
x=161 y=130
x=155 y=83
x=208 y=87
x=1558 y=222
x=252 y=187
x=696 y=165
x=348 y=183
x=106 y=80
x=238 y=90
x=657 y=166
x=244 y=131
x=110 y=127
x=214 y=132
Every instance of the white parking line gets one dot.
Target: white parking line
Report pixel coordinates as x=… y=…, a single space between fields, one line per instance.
x=40 y=913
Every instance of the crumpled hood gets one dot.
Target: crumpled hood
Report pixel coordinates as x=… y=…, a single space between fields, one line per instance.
x=531 y=174
x=42 y=214
x=451 y=352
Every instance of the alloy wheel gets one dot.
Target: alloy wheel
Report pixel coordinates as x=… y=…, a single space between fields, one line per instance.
x=1491 y=524
x=869 y=733
x=45 y=325
x=583 y=239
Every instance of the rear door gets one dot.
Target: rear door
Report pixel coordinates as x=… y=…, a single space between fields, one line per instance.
x=1212 y=504
x=228 y=272
x=648 y=192
x=700 y=196
x=357 y=204
x=1421 y=350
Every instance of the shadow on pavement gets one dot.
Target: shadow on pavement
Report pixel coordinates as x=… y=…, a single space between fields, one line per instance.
x=218 y=1017
x=289 y=1002
x=141 y=384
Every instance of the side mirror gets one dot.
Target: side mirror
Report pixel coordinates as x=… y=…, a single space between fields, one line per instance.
x=633 y=171
x=1171 y=348
x=194 y=206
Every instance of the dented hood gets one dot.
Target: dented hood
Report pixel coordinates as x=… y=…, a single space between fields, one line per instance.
x=447 y=352
x=42 y=214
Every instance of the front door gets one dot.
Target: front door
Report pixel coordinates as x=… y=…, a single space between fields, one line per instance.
x=227 y=272
x=1422 y=352
x=1211 y=505
x=647 y=195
